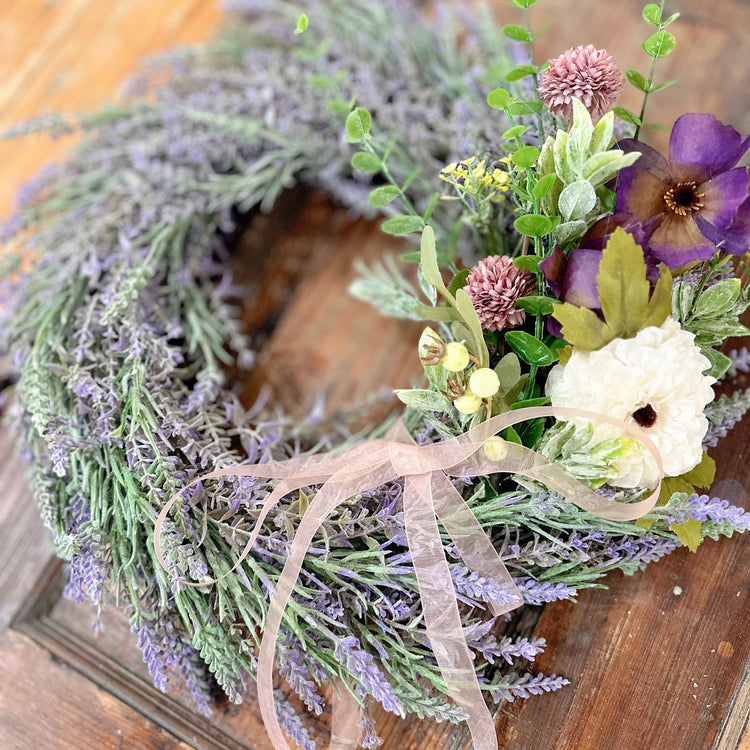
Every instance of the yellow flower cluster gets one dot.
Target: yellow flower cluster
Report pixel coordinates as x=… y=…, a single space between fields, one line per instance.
x=477 y=177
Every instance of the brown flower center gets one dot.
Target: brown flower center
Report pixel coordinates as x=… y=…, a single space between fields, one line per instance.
x=684 y=198
x=645 y=416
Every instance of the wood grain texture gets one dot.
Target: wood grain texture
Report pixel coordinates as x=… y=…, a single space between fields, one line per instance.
x=649 y=667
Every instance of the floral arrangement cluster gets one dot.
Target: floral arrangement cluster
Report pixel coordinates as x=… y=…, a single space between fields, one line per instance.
x=564 y=262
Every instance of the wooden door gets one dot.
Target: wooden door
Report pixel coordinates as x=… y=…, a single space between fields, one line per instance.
x=660 y=660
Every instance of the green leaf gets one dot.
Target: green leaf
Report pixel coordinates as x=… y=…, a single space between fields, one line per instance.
x=522 y=107
x=530 y=403
x=671 y=19
x=720 y=363
x=689 y=533
x=427 y=215
x=533 y=225
x=579 y=137
x=523 y=3
x=662 y=86
x=382 y=196
x=471 y=319
x=660 y=305
x=627 y=116
x=543 y=186
x=525 y=157
x=602 y=167
x=703 y=474
x=577 y=200
x=429 y=263
x=530 y=349
x=499 y=98
x=560 y=152
x=536 y=305
x=519 y=72
x=718 y=299
x=402 y=224
x=514 y=132
x=528 y=263
x=637 y=80
x=302 y=23
x=569 y=230
x=601 y=138
x=622 y=283
x=659 y=44
x=508 y=371
x=511 y=436
x=358 y=124
x=582 y=327
x=459 y=280
x=652 y=14
x=424 y=400
x=365 y=162
x=517 y=33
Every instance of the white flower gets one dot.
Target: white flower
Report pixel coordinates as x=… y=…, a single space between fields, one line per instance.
x=656 y=382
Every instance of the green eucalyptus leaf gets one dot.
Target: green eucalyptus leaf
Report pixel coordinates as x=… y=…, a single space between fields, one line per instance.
x=530 y=349
x=522 y=107
x=365 y=162
x=543 y=186
x=519 y=72
x=499 y=98
x=525 y=157
x=517 y=33
x=533 y=225
x=382 y=196
x=402 y=224
x=358 y=124
x=659 y=44
x=652 y=14
x=514 y=132
x=577 y=200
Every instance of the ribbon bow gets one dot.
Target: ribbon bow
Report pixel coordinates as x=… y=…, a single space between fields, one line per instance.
x=429 y=497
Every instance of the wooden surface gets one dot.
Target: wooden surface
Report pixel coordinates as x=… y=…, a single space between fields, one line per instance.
x=660 y=660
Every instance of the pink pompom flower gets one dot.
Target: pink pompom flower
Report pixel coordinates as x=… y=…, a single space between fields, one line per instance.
x=584 y=73
x=494 y=285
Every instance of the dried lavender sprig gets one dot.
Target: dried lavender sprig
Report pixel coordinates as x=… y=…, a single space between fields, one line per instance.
x=723 y=414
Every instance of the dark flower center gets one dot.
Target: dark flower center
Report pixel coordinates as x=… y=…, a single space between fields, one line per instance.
x=684 y=198
x=645 y=416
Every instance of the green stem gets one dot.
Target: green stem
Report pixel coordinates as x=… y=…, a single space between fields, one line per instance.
x=650 y=77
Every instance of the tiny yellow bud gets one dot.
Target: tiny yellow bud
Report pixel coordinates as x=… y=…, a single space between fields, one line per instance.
x=484 y=382
x=495 y=448
x=456 y=357
x=469 y=403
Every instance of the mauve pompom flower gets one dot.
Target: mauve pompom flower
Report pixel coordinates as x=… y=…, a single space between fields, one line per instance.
x=494 y=285
x=696 y=200
x=584 y=73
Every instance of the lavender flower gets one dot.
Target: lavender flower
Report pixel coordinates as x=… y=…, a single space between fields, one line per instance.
x=723 y=414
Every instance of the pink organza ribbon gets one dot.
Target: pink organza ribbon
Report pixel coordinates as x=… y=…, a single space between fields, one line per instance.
x=429 y=497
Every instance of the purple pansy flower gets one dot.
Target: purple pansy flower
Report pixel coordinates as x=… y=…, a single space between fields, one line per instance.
x=696 y=200
x=572 y=278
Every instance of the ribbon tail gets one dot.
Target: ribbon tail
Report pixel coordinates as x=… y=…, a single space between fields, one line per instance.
x=333 y=493
x=440 y=607
x=346 y=729
x=473 y=544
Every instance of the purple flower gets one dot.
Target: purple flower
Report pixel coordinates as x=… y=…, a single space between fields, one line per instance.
x=695 y=201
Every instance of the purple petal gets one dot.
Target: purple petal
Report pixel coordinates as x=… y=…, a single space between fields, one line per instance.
x=651 y=160
x=701 y=148
x=678 y=241
x=598 y=236
x=554 y=267
x=723 y=196
x=579 y=286
x=737 y=237
x=640 y=192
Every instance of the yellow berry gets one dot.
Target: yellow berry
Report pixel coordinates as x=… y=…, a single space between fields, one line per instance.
x=495 y=448
x=484 y=382
x=469 y=403
x=456 y=357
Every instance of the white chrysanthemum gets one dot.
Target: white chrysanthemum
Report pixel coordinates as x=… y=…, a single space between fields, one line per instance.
x=656 y=382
